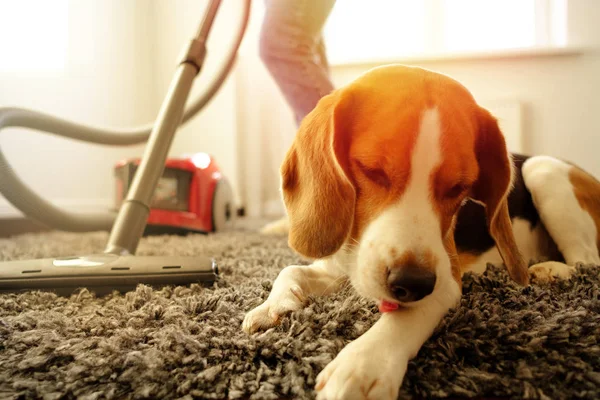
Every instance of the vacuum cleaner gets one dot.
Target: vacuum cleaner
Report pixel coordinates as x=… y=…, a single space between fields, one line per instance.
x=191 y=195
x=118 y=268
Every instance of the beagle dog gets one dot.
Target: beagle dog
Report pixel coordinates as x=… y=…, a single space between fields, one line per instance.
x=399 y=183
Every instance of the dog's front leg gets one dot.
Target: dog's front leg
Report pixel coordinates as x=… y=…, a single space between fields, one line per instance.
x=373 y=366
x=291 y=291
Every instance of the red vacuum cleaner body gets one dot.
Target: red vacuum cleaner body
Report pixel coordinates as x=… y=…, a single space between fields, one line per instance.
x=192 y=195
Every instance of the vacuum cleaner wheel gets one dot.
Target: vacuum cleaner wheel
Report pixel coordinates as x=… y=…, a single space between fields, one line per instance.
x=223 y=207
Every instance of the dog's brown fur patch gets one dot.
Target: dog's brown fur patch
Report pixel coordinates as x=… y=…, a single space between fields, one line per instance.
x=587 y=191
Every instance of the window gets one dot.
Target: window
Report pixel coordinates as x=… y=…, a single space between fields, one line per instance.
x=33 y=34
x=377 y=30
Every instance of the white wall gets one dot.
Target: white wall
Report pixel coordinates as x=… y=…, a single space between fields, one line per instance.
x=107 y=80
x=265 y=126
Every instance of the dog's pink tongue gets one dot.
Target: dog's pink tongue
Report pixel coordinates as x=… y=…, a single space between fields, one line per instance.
x=387 y=306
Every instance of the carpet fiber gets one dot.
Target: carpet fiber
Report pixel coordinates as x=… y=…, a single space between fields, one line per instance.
x=186 y=342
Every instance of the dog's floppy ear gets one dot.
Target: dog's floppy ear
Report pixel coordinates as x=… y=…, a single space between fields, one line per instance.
x=318 y=195
x=492 y=187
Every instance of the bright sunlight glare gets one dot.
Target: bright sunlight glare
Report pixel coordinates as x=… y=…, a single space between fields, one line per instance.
x=383 y=30
x=33 y=34
x=489 y=25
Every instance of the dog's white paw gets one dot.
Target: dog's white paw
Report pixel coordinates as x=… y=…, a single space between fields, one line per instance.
x=550 y=271
x=361 y=371
x=269 y=313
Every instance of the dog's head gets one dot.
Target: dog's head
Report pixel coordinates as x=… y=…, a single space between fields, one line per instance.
x=379 y=170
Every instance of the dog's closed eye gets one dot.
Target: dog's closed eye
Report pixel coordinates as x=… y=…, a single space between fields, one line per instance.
x=376 y=175
x=455 y=191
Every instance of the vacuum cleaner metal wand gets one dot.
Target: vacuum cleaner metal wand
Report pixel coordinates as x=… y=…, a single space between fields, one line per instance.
x=131 y=221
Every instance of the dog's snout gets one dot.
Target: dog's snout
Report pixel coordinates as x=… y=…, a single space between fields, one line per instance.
x=410 y=283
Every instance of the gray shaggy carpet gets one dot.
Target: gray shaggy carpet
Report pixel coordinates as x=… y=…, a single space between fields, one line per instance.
x=186 y=342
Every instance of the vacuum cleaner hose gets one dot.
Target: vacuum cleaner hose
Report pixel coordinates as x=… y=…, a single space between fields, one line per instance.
x=34 y=206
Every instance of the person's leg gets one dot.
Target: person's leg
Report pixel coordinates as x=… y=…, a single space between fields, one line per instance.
x=322 y=52
x=291 y=48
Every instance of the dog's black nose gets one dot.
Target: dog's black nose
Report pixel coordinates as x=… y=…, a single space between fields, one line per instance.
x=409 y=283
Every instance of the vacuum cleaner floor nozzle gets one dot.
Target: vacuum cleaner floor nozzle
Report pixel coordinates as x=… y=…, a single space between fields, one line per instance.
x=104 y=273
